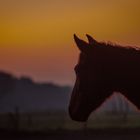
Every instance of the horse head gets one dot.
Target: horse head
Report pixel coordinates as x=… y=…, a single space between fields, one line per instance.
x=88 y=92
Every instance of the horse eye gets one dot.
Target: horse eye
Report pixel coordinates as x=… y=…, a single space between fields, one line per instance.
x=76 y=69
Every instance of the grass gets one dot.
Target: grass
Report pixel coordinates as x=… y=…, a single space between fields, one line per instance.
x=44 y=121
x=114 y=121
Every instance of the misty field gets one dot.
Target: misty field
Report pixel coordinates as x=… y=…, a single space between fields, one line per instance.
x=57 y=125
x=46 y=121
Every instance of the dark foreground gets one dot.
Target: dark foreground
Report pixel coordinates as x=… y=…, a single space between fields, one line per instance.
x=102 y=134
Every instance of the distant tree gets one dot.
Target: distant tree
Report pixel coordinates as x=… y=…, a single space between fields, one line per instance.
x=7 y=83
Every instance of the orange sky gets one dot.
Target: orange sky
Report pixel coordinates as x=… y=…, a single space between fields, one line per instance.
x=36 y=36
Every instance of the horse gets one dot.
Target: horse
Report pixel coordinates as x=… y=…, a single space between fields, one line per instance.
x=103 y=68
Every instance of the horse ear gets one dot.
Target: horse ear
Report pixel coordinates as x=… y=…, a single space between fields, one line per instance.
x=82 y=45
x=91 y=40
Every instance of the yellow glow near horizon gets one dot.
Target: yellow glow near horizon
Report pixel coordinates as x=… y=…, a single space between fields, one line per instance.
x=49 y=23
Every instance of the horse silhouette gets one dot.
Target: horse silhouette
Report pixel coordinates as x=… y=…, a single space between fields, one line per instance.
x=102 y=69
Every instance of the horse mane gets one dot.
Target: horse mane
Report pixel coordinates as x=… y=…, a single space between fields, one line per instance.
x=118 y=47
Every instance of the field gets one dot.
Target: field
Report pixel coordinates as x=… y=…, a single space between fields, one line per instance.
x=57 y=125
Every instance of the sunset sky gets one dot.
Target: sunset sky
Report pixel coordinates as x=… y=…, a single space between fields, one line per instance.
x=36 y=36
